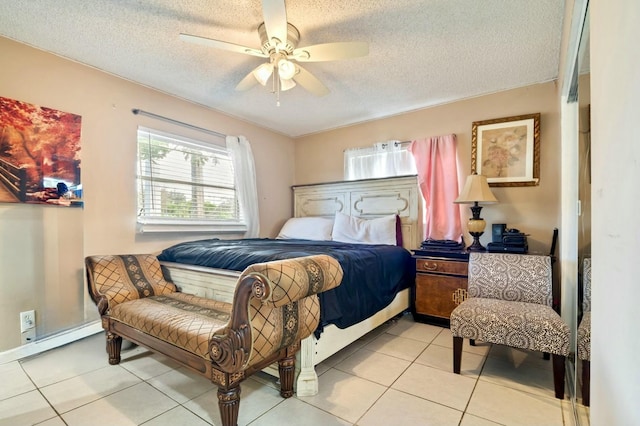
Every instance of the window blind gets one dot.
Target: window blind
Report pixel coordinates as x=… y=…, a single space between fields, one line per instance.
x=185 y=182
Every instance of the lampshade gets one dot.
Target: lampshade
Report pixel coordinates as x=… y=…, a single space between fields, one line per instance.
x=286 y=69
x=263 y=72
x=476 y=190
x=287 y=84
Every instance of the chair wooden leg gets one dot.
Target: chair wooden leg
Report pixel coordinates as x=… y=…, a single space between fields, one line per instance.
x=287 y=370
x=558 y=375
x=114 y=344
x=229 y=405
x=586 y=382
x=457 y=354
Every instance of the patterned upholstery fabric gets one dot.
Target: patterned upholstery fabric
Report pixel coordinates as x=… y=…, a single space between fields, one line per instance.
x=121 y=278
x=510 y=304
x=514 y=277
x=584 y=337
x=290 y=311
x=181 y=319
x=301 y=277
x=586 y=282
x=584 y=329
x=516 y=324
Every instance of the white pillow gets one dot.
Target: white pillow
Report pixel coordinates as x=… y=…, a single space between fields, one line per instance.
x=307 y=228
x=349 y=229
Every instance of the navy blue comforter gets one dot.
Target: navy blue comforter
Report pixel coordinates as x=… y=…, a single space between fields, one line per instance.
x=373 y=274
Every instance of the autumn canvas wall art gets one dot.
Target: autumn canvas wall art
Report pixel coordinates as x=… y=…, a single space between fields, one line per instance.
x=39 y=154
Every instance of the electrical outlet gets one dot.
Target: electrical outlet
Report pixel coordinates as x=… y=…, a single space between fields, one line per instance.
x=27 y=321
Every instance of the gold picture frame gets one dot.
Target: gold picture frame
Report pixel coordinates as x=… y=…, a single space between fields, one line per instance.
x=507 y=150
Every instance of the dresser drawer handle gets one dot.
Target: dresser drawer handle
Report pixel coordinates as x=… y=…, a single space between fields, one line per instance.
x=430 y=267
x=459 y=296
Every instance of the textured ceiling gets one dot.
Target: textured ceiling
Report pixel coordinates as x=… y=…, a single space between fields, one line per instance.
x=421 y=52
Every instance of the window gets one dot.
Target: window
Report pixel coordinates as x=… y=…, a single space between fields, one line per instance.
x=185 y=185
x=381 y=160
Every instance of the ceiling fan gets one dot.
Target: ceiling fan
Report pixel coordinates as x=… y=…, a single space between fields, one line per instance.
x=279 y=45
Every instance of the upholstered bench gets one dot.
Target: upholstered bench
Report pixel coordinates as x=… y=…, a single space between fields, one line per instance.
x=274 y=307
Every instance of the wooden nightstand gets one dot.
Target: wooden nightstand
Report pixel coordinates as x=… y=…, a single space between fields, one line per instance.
x=441 y=284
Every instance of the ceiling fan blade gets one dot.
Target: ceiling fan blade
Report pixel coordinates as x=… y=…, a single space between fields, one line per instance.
x=222 y=45
x=248 y=81
x=331 y=51
x=275 y=19
x=307 y=80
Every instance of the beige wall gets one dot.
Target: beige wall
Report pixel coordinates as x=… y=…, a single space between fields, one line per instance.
x=534 y=210
x=34 y=239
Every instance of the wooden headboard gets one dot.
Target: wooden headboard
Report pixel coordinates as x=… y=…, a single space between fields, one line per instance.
x=368 y=199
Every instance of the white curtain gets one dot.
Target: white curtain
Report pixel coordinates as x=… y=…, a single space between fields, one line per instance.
x=245 y=173
x=383 y=159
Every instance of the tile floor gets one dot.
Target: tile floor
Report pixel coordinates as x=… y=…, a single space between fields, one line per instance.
x=400 y=374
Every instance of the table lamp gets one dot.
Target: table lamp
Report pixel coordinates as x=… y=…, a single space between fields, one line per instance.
x=476 y=190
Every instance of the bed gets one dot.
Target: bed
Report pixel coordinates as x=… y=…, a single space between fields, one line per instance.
x=366 y=200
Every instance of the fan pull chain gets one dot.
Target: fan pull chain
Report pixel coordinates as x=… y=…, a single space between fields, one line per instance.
x=276 y=82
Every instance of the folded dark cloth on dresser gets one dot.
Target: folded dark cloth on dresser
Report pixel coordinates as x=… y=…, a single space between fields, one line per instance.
x=430 y=244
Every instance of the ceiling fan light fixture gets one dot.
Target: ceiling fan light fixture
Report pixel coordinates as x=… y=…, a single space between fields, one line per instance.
x=263 y=72
x=286 y=69
x=287 y=84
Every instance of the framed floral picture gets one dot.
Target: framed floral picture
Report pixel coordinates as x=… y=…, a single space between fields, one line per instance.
x=507 y=150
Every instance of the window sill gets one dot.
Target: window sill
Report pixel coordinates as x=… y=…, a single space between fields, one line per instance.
x=172 y=227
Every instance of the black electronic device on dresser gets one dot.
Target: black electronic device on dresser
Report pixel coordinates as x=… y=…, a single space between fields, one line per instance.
x=505 y=240
x=441 y=283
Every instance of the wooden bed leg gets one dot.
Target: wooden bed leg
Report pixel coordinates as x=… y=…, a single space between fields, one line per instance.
x=114 y=343
x=307 y=383
x=229 y=405
x=287 y=370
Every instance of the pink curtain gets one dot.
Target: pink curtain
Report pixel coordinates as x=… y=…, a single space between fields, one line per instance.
x=437 y=165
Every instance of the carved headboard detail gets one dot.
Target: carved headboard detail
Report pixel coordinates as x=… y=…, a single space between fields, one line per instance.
x=368 y=199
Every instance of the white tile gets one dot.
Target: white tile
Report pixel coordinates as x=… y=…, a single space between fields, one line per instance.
x=471 y=420
x=25 y=409
x=67 y=361
x=374 y=366
x=345 y=396
x=399 y=347
x=178 y=416
x=266 y=380
x=518 y=356
x=442 y=358
x=568 y=416
x=255 y=400
x=146 y=364
x=381 y=329
x=322 y=368
x=398 y=408
x=445 y=338
x=414 y=330
x=130 y=406
x=524 y=376
x=14 y=380
x=342 y=354
x=584 y=414
x=80 y=390
x=447 y=388
x=292 y=411
x=56 y=421
x=181 y=384
x=513 y=407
